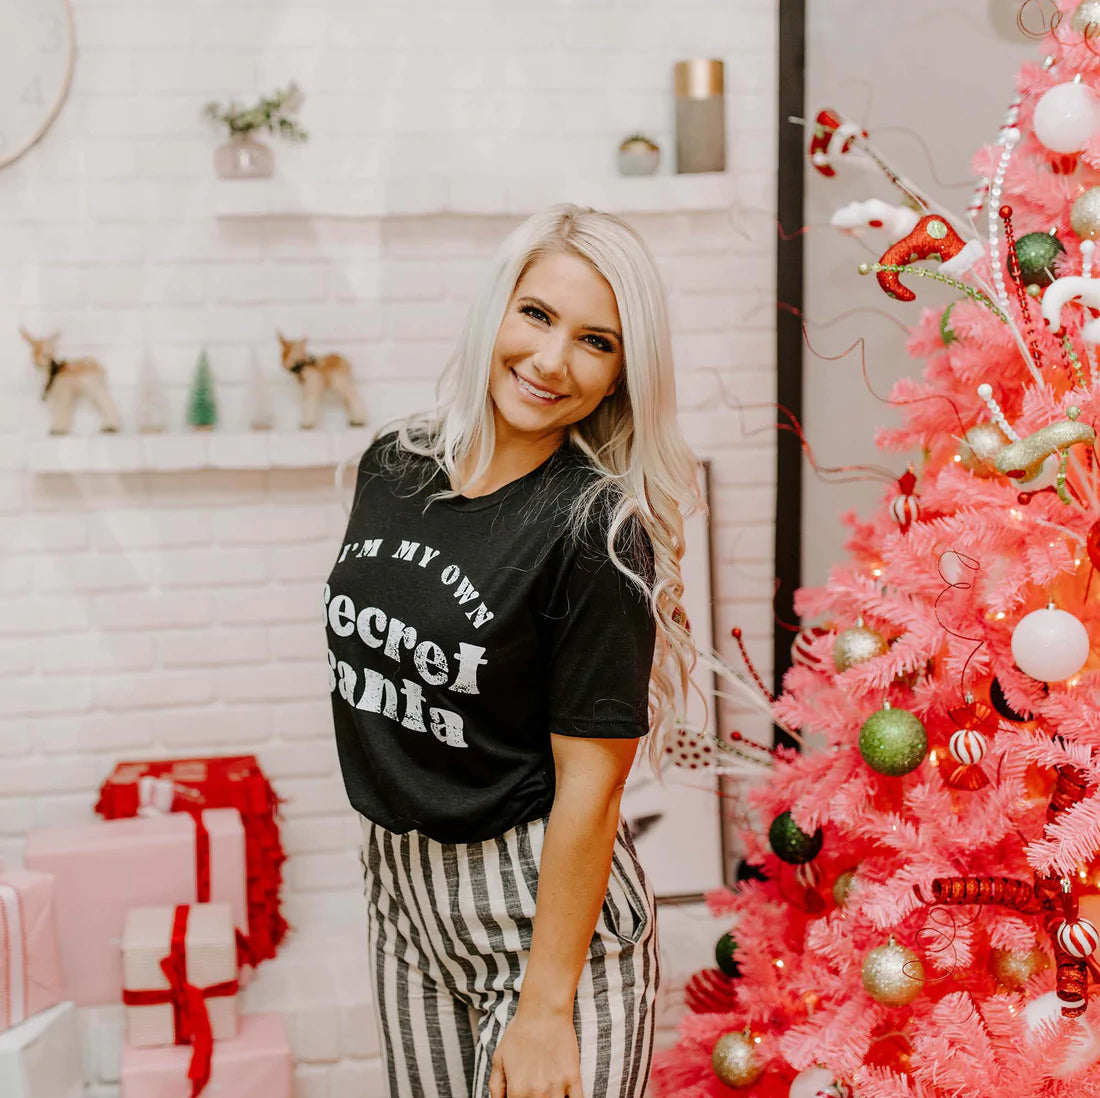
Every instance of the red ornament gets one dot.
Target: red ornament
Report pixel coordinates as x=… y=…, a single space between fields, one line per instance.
x=1092 y=544
x=808 y=875
x=710 y=991
x=967 y=746
x=932 y=238
x=1078 y=937
x=905 y=510
x=832 y=137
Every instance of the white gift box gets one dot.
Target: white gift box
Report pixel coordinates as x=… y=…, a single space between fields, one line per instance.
x=40 y=1058
x=210 y=952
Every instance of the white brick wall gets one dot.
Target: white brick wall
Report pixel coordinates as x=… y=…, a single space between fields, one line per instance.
x=168 y=612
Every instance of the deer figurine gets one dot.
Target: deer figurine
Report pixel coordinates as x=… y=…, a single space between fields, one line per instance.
x=66 y=379
x=317 y=374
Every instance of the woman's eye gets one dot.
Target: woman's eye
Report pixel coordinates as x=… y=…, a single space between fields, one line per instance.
x=534 y=312
x=600 y=343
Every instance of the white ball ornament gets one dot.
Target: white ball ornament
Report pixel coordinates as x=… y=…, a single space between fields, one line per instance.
x=1045 y=1013
x=967 y=746
x=1066 y=117
x=818 y=1082
x=1050 y=645
x=1079 y=938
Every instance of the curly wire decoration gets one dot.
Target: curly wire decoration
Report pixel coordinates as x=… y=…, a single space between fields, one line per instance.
x=874 y=310
x=978 y=642
x=1052 y=25
x=940 y=940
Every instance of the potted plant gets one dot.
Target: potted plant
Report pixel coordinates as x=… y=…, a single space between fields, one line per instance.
x=242 y=156
x=638 y=155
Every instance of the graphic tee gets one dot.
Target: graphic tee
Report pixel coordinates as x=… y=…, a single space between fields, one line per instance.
x=463 y=632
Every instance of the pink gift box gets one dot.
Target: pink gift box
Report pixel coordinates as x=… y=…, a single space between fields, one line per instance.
x=254 y=1064
x=103 y=869
x=30 y=965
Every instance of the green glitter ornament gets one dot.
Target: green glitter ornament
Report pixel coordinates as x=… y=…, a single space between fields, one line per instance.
x=791 y=843
x=725 y=956
x=947 y=333
x=1036 y=253
x=893 y=741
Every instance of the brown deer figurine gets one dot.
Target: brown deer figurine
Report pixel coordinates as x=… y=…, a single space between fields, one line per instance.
x=66 y=379
x=317 y=374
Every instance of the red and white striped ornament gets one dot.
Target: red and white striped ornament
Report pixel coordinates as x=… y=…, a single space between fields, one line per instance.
x=808 y=875
x=1078 y=937
x=905 y=510
x=967 y=746
x=802 y=654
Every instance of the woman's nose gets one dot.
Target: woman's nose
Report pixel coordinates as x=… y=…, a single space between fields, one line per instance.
x=552 y=357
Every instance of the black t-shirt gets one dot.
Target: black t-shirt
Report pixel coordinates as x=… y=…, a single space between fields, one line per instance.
x=462 y=633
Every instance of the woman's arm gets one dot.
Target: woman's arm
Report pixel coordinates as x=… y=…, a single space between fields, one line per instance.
x=538 y=1055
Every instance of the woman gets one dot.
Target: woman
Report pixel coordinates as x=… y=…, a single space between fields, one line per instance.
x=504 y=626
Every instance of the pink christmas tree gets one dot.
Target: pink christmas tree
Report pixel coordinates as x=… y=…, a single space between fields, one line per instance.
x=928 y=921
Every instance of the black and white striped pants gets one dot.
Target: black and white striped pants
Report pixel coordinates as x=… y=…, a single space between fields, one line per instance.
x=449 y=933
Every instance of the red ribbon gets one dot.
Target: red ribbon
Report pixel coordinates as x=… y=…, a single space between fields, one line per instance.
x=190 y=1017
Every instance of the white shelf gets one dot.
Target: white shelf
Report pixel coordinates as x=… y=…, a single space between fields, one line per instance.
x=279 y=197
x=200 y=450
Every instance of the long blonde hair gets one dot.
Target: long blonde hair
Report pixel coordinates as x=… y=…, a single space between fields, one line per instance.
x=632 y=439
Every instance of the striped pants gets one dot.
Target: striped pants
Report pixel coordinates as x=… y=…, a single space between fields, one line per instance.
x=449 y=933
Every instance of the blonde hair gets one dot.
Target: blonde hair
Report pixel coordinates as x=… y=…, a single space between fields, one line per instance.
x=632 y=439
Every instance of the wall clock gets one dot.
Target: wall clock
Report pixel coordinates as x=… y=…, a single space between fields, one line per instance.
x=37 y=49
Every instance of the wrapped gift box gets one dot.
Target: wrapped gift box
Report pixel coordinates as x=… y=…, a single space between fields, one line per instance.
x=30 y=965
x=103 y=869
x=166 y=948
x=40 y=1058
x=171 y=785
x=254 y=1064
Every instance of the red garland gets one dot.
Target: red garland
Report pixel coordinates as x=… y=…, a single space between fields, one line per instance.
x=190 y=1017
x=1046 y=897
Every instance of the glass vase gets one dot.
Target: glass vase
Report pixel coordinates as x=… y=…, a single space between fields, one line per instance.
x=243 y=157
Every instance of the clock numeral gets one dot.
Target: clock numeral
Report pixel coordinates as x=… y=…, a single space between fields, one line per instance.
x=53 y=35
x=32 y=93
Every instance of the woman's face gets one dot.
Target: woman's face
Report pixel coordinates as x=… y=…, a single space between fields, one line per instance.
x=558 y=351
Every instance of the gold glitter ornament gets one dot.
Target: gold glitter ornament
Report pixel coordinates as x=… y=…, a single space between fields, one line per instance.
x=1086 y=19
x=892 y=974
x=1084 y=214
x=1012 y=968
x=856 y=645
x=842 y=887
x=1023 y=459
x=979 y=446
x=736 y=1061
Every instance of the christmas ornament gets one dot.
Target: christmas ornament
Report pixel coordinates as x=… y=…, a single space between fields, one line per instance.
x=802 y=654
x=967 y=746
x=1078 y=937
x=999 y=702
x=792 y=844
x=893 y=741
x=1084 y=214
x=979 y=446
x=1074 y=288
x=1066 y=116
x=832 y=138
x=808 y=875
x=892 y=974
x=1023 y=459
x=932 y=238
x=1050 y=645
x=856 y=645
x=725 y=951
x=905 y=507
x=875 y=214
x=709 y=992
x=1045 y=1013
x=735 y=1060
x=1086 y=19
x=947 y=333
x=818 y=1082
x=1013 y=968
x=1036 y=253
x=842 y=887
x=1092 y=542
x=202 y=405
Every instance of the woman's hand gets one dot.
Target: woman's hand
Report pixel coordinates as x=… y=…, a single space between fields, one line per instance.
x=537 y=1057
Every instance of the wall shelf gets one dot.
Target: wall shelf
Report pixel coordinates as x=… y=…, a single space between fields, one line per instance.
x=486 y=197
x=158 y=453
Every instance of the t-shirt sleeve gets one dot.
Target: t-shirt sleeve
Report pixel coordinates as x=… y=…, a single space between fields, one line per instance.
x=601 y=647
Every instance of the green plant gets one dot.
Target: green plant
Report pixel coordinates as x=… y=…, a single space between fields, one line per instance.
x=270 y=113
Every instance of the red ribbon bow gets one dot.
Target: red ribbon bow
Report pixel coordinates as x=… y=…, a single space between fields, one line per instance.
x=190 y=1016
